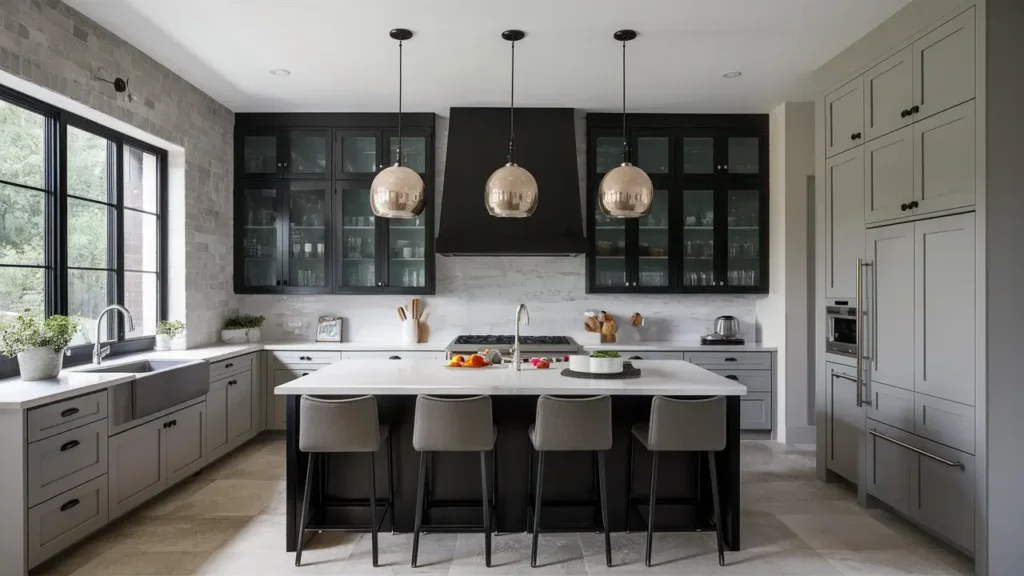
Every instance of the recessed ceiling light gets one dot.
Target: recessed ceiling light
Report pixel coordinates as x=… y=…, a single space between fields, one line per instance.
x=733 y=74
x=280 y=72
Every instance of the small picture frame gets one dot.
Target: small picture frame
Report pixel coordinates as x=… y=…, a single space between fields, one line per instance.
x=329 y=329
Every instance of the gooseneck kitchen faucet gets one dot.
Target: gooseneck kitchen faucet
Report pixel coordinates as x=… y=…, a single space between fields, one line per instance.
x=520 y=310
x=97 y=352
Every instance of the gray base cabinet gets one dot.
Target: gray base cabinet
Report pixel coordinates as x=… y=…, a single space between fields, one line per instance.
x=844 y=433
x=283 y=375
x=889 y=466
x=60 y=522
x=232 y=414
x=185 y=443
x=755 y=370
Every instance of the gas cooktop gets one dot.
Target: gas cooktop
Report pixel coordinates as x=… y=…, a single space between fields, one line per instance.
x=503 y=340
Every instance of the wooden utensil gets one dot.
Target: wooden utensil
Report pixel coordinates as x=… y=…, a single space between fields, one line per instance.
x=415 y=308
x=401 y=313
x=608 y=327
x=636 y=319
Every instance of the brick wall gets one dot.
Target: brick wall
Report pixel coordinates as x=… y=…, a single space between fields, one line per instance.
x=55 y=46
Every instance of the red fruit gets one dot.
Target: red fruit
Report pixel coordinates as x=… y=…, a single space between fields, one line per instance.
x=534 y=360
x=543 y=364
x=565 y=358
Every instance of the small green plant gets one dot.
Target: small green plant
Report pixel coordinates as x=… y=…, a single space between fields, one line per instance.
x=27 y=331
x=172 y=328
x=243 y=322
x=605 y=354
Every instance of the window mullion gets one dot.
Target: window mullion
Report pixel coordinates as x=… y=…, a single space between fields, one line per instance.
x=60 y=249
x=116 y=171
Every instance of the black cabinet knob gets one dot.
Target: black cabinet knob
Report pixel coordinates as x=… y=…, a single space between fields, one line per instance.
x=855 y=136
x=913 y=204
x=905 y=113
x=915 y=109
x=904 y=207
x=229 y=365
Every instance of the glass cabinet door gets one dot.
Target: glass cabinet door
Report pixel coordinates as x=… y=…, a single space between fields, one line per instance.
x=414 y=151
x=407 y=251
x=610 y=270
x=653 y=264
x=743 y=238
x=261 y=264
x=355 y=250
x=358 y=153
x=698 y=155
x=652 y=154
x=259 y=155
x=698 y=239
x=607 y=152
x=308 y=209
x=308 y=153
x=743 y=154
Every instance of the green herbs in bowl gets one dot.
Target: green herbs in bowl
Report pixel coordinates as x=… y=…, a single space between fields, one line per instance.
x=605 y=354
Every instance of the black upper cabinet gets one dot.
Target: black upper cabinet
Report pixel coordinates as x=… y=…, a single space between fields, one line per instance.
x=708 y=228
x=302 y=205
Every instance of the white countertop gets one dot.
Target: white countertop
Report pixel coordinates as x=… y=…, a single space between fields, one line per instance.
x=355 y=377
x=680 y=346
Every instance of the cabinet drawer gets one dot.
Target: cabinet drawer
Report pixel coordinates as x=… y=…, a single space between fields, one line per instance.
x=945 y=422
x=942 y=493
x=754 y=380
x=659 y=355
x=731 y=360
x=230 y=366
x=58 y=417
x=889 y=465
x=59 y=522
x=892 y=406
x=393 y=355
x=298 y=358
x=66 y=460
x=756 y=411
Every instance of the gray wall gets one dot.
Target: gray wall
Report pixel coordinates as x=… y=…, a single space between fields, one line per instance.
x=1004 y=268
x=50 y=44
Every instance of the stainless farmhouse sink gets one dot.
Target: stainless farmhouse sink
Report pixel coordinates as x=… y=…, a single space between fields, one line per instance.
x=158 y=385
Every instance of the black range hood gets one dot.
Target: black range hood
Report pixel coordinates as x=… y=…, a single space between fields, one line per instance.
x=477 y=146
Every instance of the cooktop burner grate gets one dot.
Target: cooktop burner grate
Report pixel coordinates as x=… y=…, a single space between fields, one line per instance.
x=505 y=340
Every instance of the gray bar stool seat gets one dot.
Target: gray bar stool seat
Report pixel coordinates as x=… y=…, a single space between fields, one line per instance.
x=454 y=425
x=343 y=425
x=681 y=425
x=571 y=425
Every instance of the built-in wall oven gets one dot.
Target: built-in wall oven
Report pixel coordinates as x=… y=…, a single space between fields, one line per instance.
x=841 y=329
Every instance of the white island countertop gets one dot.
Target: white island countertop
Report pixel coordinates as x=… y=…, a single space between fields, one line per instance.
x=357 y=377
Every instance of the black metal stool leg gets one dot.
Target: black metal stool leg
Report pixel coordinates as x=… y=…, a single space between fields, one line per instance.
x=603 y=481
x=529 y=486
x=713 y=469
x=373 y=508
x=391 y=481
x=629 y=483
x=536 y=508
x=650 y=507
x=303 y=516
x=421 y=484
x=494 y=486
x=485 y=498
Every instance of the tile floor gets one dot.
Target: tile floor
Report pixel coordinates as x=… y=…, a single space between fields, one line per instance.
x=229 y=520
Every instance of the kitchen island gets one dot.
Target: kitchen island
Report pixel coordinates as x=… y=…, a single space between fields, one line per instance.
x=568 y=476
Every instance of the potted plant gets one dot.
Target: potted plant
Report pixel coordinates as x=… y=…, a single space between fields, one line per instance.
x=241 y=329
x=166 y=331
x=40 y=345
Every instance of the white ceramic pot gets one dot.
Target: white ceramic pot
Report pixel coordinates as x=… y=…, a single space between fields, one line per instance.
x=579 y=363
x=163 y=342
x=605 y=365
x=240 y=335
x=40 y=363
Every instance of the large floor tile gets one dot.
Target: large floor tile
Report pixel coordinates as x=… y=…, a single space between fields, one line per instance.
x=510 y=554
x=671 y=553
x=229 y=498
x=848 y=532
x=395 y=554
x=904 y=562
x=138 y=563
x=176 y=533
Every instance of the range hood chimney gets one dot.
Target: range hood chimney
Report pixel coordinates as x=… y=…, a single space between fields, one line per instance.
x=546 y=146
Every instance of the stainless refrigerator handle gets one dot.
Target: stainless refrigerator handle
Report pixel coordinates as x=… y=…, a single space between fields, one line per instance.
x=949 y=463
x=860 y=332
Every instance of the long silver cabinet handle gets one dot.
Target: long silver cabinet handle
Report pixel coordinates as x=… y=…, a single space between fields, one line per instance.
x=959 y=465
x=861 y=264
x=844 y=377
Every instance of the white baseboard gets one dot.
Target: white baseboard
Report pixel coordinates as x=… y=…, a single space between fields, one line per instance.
x=800 y=435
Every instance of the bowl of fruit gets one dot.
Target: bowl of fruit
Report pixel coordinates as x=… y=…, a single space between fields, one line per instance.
x=471 y=361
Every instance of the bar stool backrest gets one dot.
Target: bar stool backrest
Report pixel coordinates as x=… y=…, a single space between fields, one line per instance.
x=342 y=425
x=573 y=423
x=687 y=425
x=453 y=424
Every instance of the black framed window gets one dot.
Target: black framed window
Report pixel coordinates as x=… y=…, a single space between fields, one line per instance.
x=81 y=224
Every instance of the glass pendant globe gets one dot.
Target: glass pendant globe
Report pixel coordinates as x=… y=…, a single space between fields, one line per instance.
x=626 y=192
x=511 y=192
x=397 y=192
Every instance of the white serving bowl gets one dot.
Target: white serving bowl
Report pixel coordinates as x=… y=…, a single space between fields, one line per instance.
x=605 y=365
x=579 y=363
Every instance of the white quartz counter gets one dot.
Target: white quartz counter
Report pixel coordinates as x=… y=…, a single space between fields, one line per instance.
x=355 y=377
x=682 y=346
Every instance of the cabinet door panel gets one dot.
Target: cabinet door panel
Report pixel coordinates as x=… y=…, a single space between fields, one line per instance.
x=945 y=422
x=942 y=496
x=844 y=222
x=137 y=471
x=698 y=240
x=259 y=256
x=652 y=251
x=944 y=64
x=217 y=418
x=889 y=176
x=239 y=406
x=309 y=152
x=357 y=154
x=307 y=238
x=944 y=308
x=185 y=442
x=845 y=421
x=944 y=151
x=260 y=155
x=893 y=406
x=889 y=303
x=756 y=411
x=844 y=117
x=355 y=250
x=889 y=466
x=888 y=94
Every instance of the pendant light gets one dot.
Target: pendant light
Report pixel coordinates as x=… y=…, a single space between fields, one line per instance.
x=625 y=191
x=511 y=191
x=397 y=191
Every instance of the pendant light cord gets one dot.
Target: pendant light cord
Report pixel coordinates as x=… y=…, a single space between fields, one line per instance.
x=399 y=160
x=625 y=143
x=512 y=111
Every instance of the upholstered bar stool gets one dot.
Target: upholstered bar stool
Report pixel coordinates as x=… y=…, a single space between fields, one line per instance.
x=348 y=425
x=453 y=425
x=572 y=425
x=680 y=425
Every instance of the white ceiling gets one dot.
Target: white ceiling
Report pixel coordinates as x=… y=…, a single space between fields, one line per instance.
x=342 y=59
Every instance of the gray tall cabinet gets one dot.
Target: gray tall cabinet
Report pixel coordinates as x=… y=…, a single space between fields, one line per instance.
x=898 y=148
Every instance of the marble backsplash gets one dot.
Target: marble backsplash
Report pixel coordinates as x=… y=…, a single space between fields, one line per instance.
x=479 y=295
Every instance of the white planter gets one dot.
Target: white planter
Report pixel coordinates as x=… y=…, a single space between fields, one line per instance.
x=40 y=363
x=605 y=365
x=163 y=342
x=579 y=363
x=240 y=336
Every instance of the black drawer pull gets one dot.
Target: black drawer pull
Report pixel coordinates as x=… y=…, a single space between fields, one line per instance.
x=730 y=359
x=69 y=505
x=229 y=365
x=395 y=358
x=305 y=373
x=635 y=358
x=232 y=382
x=68 y=445
x=733 y=377
x=69 y=412
x=174 y=422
